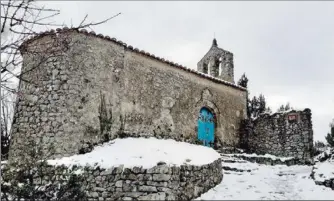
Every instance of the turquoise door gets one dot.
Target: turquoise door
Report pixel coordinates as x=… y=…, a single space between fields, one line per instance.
x=206 y=127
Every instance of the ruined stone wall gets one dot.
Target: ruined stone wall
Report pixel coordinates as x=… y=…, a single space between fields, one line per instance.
x=161 y=182
x=85 y=89
x=276 y=134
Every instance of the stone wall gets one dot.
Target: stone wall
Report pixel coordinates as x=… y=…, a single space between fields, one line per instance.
x=277 y=135
x=161 y=182
x=86 y=88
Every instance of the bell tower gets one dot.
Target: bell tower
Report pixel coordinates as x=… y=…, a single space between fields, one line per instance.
x=217 y=63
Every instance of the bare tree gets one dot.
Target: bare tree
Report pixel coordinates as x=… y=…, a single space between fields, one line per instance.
x=21 y=20
x=6 y=119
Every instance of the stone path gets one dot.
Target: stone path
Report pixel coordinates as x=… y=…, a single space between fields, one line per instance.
x=244 y=180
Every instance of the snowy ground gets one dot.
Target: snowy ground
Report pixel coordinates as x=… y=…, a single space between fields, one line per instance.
x=324 y=171
x=264 y=182
x=145 y=152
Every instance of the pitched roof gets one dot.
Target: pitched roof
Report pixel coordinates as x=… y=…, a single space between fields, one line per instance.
x=131 y=48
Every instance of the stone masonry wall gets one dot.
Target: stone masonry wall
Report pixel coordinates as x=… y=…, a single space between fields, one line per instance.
x=277 y=135
x=85 y=88
x=161 y=182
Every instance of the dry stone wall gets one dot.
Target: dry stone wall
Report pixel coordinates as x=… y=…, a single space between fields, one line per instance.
x=161 y=182
x=84 y=89
x=287 y=134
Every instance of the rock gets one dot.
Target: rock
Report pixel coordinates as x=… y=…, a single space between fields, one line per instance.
x=99 y=189
x=147 y=189
x=105 y=194
x=155 y=196
x=94 y=195
x=134 y=194
x=161 y=163
x=158 y=169
x=119 y=184
x=161 y=177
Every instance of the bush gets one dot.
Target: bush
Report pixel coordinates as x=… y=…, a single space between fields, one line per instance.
x=31 y=178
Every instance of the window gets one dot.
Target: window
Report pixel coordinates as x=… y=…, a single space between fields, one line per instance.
x=205 y=68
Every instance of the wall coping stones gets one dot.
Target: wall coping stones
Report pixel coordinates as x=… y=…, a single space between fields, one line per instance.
x=278 y=114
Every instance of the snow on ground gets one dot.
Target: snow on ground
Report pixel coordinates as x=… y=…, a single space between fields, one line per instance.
x=268 y=183
x=324 y=170
x=145 y=152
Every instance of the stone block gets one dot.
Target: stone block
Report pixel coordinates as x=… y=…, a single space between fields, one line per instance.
x=161 y=177
x=147 y=189
x=155 y=196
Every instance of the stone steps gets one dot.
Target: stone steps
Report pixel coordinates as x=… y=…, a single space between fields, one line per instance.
x=235 y=169
x=228 y=163
x=233 y=161
x=232 y=172
x=262 y=160
x=230 y=150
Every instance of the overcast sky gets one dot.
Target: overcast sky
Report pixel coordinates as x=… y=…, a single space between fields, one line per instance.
x=285 y=48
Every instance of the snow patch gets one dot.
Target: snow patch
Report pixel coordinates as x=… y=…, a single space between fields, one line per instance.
x=145 y=152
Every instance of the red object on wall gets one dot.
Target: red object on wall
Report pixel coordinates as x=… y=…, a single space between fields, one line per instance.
x=292 y=117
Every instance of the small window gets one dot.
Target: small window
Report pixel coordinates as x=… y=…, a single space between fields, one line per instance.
x=205 y=68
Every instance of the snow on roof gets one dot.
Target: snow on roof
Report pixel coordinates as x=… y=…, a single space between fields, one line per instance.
x=145 y=152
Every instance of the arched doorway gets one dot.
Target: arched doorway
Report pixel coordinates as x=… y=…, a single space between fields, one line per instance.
x=206 y=127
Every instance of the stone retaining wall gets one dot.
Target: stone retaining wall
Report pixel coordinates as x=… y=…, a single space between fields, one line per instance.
x=161 y=182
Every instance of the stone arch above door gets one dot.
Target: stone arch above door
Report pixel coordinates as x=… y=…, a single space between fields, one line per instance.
x=207 y=102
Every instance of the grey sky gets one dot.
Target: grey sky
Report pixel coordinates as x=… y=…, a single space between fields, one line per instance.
x=285 y=48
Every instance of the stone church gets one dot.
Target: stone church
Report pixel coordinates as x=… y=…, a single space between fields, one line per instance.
x=86 y=88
